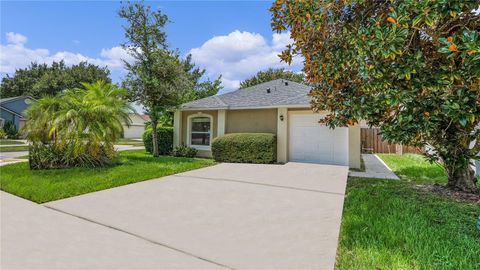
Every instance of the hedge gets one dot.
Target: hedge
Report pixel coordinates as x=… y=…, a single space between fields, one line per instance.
x=164 y=138
x=245 y=148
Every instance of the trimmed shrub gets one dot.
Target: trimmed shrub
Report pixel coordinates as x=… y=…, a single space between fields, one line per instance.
x=164 y=138
x=51 y=156
x=184 y=151
x=3 y=134
x=245 y=148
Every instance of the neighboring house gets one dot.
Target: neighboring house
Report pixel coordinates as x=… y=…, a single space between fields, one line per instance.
x=137 y=126
x=280 y=107
x=11 y=109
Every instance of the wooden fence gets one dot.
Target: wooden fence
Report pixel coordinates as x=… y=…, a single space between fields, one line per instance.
x=372 y=142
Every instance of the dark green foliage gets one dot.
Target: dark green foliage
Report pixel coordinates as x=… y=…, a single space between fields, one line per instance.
x=184 y=151
x=10 y=130
x=164 y=139
x=245 y=148
x=157 y=78
x=38 y=80
x=411 y=68
x=52 y=156
x=200 y=89
x=77 y=127
x=273 y=74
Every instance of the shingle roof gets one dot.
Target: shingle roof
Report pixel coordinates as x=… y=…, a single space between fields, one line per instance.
x=5 y=100
x=269 y=94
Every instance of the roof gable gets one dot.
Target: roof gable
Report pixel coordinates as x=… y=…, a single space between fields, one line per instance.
x=16 y=104
x=278 y=92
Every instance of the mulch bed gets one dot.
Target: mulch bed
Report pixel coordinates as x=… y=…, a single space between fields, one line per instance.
x=452 y=194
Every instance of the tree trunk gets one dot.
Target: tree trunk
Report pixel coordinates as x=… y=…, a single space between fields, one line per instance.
x=462 y=179
x=155 y=151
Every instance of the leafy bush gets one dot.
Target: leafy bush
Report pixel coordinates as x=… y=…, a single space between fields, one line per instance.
x=10 y=129
x=53 y=156
x=77 y=127
x=3 y=135
x=164 y=138
x=184 y=151
x=245 y=147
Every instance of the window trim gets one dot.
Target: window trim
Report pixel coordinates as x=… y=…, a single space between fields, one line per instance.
x=189 y=131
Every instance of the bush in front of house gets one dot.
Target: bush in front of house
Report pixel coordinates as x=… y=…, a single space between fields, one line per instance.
x=184 y=151
x=10 y=130
x=245 y=148
x=55 y=156
x=164 y=138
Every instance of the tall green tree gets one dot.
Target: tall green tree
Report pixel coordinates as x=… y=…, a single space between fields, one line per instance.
x=201 y=88
x=156 y=78
x=272 y=74
x=38 y=80
x=410 y=67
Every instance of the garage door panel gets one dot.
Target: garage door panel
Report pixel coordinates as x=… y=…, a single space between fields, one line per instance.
x=310 y=141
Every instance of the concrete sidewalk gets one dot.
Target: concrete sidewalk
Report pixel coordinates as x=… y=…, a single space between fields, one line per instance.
x=374 y=168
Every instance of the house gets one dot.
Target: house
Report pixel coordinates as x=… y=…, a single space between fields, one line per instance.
x=280 y=107
x=137 y=126
x=11 y=109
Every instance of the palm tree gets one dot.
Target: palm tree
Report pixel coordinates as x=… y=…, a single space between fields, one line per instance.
x=39 y=117
x=80 y=121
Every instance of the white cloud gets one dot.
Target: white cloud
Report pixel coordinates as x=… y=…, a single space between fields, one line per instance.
x=15 y=38
x=240 y=55
x=15 y=54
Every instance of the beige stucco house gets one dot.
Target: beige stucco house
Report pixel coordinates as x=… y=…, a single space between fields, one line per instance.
x=136 y=127
x=280 y=107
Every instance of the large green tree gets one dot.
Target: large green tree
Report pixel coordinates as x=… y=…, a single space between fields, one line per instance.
x=38 y=80
x=201 y=87
x=157 y=78
x=410 y=67
x=272 y=74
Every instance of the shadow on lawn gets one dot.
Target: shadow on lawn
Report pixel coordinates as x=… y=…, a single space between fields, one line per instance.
x=150 y=159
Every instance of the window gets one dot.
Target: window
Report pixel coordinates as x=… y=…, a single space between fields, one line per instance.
x=200 y=132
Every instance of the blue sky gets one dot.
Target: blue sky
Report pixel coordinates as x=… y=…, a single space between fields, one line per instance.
x=232 y=38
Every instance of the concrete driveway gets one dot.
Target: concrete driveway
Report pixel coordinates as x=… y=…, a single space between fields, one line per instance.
x=237 y=216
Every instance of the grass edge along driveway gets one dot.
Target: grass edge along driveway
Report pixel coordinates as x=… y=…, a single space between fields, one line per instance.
x=48 y=185
x=389 y=224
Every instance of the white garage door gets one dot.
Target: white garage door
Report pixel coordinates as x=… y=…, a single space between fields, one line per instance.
x=133 y=132
x=312 y=142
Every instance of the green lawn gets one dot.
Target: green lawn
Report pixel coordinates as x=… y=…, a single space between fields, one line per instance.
x=414 y=168
x=388 y=224
x=47 y=185
x=129 y=142
x=13 y=148
x=6 y=141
